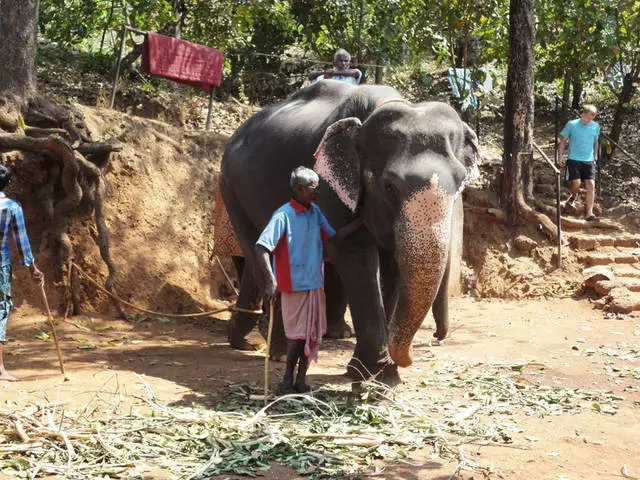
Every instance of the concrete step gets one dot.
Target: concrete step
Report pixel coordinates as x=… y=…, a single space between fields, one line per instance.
x=585 y=241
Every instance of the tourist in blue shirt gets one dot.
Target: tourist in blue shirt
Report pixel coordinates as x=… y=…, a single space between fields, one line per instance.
x=341 y=72
x=11 y=223
x=295 y=235
x=582 y=134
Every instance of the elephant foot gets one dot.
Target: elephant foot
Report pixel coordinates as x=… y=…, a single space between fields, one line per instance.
x=245 y=345
x=237 y=333
x=278 y=350
x=338 y=331
x=381 y=371
x=440 y=335
x=388 y=376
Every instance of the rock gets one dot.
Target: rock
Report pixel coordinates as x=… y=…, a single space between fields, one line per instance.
x=524 y=243
x=597 y=273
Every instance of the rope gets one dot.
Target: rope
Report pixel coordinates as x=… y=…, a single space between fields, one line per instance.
x=160 y=314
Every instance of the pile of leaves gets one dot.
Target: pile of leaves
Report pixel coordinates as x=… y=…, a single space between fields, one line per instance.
x=330 y=434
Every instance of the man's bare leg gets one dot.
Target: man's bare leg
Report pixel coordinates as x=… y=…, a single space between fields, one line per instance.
x=590 y=186
x=574 y=187
x=4 y=375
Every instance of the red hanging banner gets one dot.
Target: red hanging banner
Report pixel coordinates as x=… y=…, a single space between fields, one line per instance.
x=182 y=61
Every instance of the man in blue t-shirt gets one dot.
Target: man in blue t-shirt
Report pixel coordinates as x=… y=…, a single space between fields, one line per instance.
x=582 y=134
x=295 y=235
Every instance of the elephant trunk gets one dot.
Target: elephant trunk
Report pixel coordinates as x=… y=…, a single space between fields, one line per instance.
x=422 y=235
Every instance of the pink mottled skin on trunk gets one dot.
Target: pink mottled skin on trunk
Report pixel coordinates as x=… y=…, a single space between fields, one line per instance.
x=422 y=243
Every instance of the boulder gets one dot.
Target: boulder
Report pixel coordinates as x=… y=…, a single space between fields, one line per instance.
x=524 y=243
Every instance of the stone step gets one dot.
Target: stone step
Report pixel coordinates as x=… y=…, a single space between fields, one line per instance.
x=626 y=271
x=546 y=189
x=604 y=287
x=585 y=241
x=546 y=179
x=622 y=300
x=612 y=257
x=581 y=224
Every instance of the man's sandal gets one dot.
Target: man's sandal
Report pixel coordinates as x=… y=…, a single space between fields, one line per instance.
x=592 y=218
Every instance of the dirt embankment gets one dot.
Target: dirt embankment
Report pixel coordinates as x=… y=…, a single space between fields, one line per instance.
x=160 y=211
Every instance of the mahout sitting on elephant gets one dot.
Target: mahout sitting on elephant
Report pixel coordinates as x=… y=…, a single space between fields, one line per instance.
x=392 y=168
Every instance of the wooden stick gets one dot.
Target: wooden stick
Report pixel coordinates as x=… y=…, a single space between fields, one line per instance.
x=53 y=329
x=266 y=357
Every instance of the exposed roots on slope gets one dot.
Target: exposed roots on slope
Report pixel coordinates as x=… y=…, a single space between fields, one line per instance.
x=74 y=182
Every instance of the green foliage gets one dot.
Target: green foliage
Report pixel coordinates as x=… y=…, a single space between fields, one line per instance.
x=576 y=37
x=444 y=26
x=74 y=23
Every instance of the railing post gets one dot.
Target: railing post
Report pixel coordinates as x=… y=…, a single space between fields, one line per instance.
x=208 y=124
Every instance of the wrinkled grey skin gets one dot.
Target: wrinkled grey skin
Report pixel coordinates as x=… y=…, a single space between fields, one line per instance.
x=403 y=166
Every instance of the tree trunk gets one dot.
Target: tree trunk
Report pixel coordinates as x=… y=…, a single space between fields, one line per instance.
x=577 y=92
x=566 y=93
x=518 y=124
x=624 y=101
x=379 y=72
x=18 y=37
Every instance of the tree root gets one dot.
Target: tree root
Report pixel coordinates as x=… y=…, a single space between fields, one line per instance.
x=528 y=213
x=61 y=137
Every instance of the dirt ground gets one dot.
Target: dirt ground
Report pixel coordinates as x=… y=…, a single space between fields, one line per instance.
x=561 y=342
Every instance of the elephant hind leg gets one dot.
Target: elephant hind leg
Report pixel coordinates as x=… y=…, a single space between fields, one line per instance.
x=249 y=296
x=242 y=323
x=336 y=304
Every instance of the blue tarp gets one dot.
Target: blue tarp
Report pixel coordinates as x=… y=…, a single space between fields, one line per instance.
x=461 y=79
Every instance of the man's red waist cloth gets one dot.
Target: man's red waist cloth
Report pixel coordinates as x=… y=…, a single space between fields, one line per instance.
x=181 y=61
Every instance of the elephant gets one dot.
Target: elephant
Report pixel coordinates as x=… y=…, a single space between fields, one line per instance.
x=396 y=167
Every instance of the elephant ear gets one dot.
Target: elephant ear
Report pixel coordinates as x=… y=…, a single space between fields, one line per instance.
x=471 y=154
x=337 y=160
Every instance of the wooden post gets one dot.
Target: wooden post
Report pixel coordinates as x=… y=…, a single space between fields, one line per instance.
x=558 y=206
x=208 y=125
x=115 y=80
x=559 y=217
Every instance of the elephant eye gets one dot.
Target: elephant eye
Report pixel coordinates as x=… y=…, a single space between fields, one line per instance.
x=388 y=187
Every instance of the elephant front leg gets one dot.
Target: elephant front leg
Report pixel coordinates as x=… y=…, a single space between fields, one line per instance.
x=358 y=265
x=440 y=306
x=336 y=304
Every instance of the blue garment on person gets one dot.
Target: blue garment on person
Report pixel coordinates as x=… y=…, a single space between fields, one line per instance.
x=294 y=235
x=6 y=302
x=12 y=220
x=344 y=78
x=581 y=139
